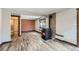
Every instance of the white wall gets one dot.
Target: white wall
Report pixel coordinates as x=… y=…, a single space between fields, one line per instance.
x=0 y=26
x=37 y=25
x=6 y=31
x=66 y=24
x=47 y=22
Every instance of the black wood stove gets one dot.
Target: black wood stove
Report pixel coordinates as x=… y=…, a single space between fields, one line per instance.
x=47 y=33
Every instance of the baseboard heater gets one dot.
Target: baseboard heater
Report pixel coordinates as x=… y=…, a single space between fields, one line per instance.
x=60 y=37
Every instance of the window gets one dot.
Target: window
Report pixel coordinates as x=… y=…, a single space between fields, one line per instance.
x=42 y=23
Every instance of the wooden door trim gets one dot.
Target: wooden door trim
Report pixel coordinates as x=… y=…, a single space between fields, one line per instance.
x=77 y=27
x=50 y=16
x=18 y=23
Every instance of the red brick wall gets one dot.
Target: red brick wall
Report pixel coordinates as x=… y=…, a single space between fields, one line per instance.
x=27 y=25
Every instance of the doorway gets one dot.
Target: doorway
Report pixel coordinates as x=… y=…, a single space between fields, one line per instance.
x=52 y=23
x=15 y=27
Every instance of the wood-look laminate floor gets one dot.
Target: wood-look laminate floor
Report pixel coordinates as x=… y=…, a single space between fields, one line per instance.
x=32 y=41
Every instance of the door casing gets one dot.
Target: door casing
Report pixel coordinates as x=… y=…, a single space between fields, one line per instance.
x=18 y=23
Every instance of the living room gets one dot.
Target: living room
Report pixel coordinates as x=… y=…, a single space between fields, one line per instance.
x=62 y=21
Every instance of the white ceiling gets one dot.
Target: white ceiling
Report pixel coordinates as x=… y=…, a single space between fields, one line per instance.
x=35 y=11
x=29 y=17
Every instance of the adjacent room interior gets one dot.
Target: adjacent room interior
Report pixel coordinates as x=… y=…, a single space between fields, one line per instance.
x=39 y=29
x=15 y=27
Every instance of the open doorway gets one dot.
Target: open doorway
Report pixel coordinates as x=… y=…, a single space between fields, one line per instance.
x=15 y=27
x=52 y=23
